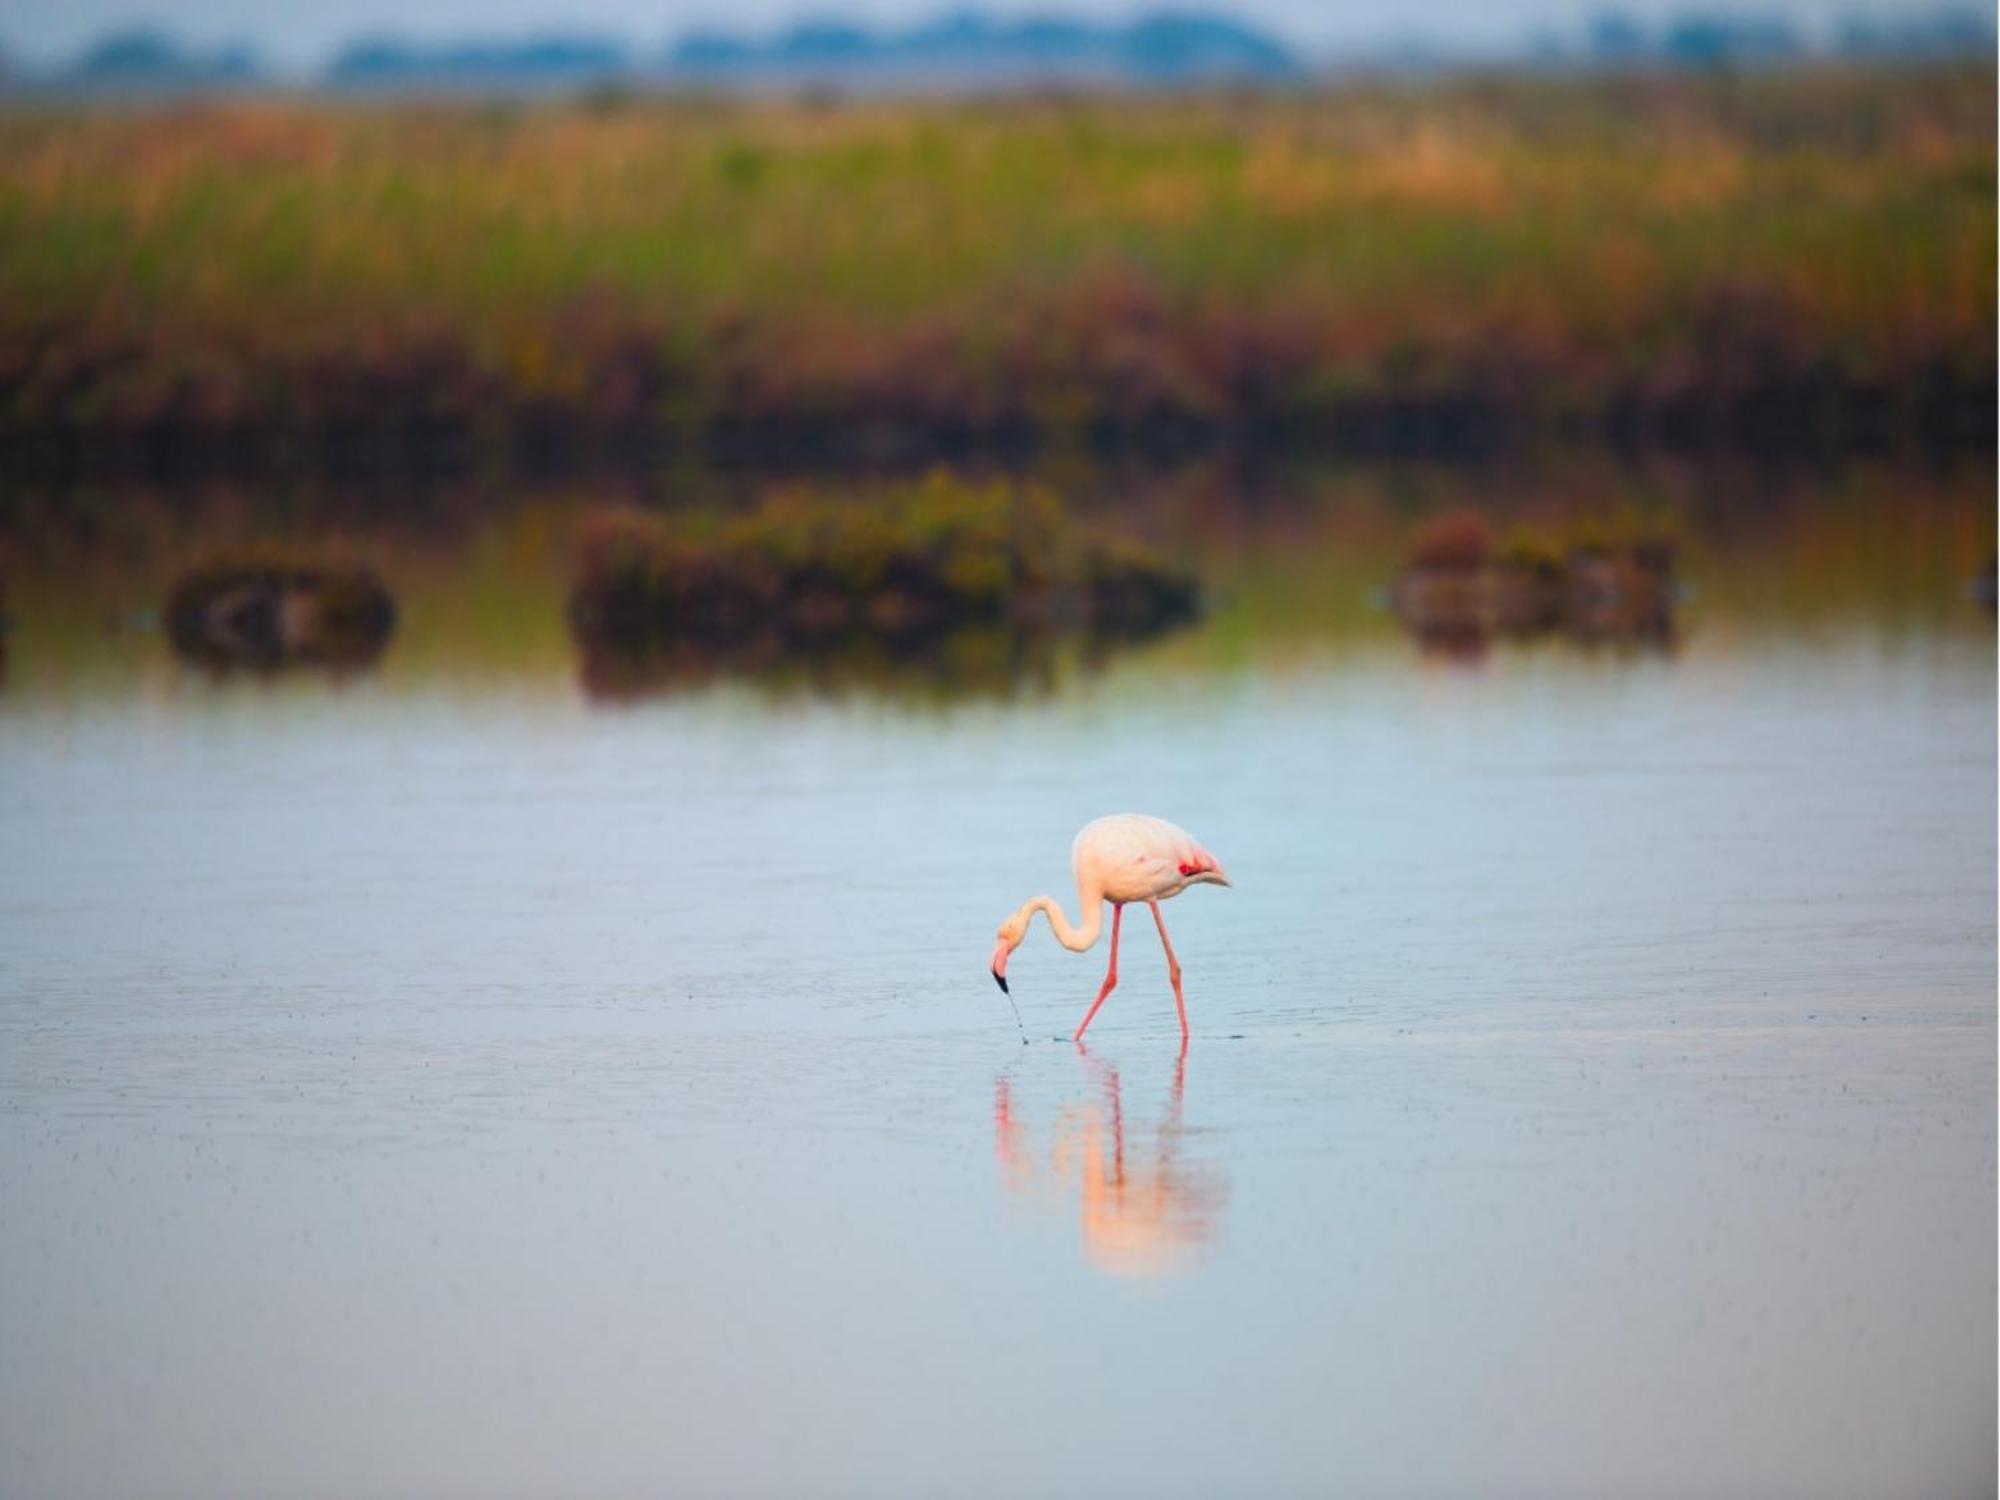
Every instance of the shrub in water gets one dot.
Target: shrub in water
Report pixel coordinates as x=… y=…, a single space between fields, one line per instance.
x=270 y=612
x=907 y=563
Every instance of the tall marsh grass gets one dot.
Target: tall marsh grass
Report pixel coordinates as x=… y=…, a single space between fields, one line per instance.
x=1771 y=258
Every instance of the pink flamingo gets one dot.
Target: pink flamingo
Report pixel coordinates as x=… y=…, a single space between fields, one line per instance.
x=1125 y=857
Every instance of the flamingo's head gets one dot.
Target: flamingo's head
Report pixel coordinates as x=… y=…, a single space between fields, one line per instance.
x=1204 y=868
x=1011 y=932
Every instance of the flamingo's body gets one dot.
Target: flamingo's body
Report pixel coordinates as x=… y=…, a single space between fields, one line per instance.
x=1123 y=858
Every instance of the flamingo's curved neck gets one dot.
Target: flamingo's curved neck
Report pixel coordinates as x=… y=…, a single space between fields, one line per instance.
x=1079 y=937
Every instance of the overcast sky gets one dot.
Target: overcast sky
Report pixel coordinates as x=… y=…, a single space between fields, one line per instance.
x=298 y=33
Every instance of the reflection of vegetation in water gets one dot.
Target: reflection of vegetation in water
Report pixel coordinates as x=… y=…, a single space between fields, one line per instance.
x=985 y=661
x=1461 y=586
x=1673 y=254
x=1298 y=561
x=1294 y=561
x=1896 y=547
x=949 y=580
x=477 y=580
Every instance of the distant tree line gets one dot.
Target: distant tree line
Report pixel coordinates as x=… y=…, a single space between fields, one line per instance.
x=968 y=49
x=1720 y=39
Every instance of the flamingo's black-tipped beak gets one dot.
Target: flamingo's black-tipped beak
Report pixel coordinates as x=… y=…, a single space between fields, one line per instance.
x=997 y=965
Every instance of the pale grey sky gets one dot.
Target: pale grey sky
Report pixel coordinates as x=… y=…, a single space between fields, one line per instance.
x=301 y=33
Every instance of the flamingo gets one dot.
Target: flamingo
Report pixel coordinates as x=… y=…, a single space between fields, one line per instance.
x=1123 y=858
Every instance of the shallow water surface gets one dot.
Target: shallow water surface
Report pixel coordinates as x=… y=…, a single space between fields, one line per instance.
x=444 y=1084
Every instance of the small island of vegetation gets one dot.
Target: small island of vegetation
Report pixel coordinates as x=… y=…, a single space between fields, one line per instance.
x=1463 y=585
x=267 y=612
x=907 y=566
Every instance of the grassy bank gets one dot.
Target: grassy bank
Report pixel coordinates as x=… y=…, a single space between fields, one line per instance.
x=1774 y=261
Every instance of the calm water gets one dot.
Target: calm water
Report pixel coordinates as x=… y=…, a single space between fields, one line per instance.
x=440 y=1083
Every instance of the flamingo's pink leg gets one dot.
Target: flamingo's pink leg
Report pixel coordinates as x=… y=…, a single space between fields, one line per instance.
x=1173 y=968
x=1110 y=974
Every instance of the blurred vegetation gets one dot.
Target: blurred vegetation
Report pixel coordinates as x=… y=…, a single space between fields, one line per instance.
x=947 y=585
x=1296 y=564
x=1771 y=259
x=263 y=610
x=906 y=564
x=1606 y=581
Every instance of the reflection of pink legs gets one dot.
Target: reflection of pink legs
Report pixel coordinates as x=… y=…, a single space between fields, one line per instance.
x=1006 y=1131
x=1117 y=1126
x=1173 y=967
x=1110 y=974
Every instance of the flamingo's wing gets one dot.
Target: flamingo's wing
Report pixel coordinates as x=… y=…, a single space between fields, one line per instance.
x=1132 y=857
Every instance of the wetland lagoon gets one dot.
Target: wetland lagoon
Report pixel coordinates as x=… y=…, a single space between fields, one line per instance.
x=468 y=1071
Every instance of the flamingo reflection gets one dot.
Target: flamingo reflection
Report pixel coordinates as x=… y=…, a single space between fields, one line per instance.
x=1146 y=1212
